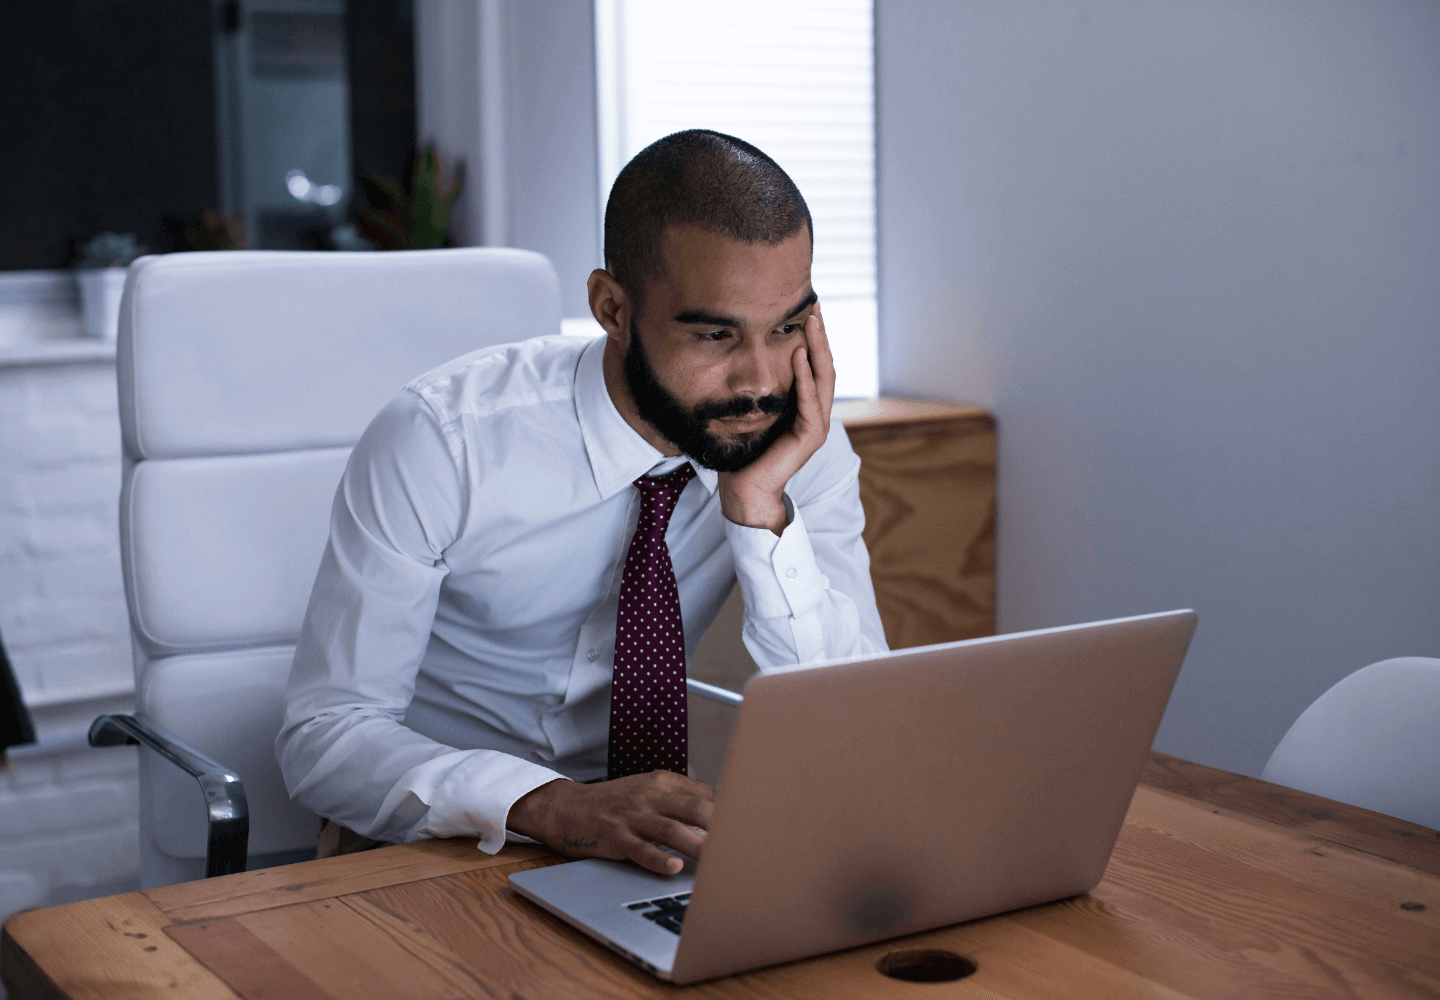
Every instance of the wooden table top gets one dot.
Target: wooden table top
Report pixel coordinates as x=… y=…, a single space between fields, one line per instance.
x=1219 y=886
x=861 y=413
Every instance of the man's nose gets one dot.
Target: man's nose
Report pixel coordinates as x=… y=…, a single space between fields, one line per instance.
x=760 y=369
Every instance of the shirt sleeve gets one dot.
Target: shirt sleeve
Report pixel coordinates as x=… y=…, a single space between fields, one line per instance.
x=808 y=595
x=343 y=749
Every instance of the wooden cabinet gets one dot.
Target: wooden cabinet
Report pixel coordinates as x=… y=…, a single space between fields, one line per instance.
x=927 y=483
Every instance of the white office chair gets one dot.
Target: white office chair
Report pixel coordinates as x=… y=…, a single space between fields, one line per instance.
x=245 y=379
x=1372 y=740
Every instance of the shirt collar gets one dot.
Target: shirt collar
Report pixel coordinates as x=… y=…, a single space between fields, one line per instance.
x=618 y=454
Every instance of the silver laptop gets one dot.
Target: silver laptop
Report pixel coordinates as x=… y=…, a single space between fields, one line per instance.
x=872 y=798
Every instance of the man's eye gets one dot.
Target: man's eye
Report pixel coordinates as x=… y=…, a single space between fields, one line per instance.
x=789 y=328
x=715 y=335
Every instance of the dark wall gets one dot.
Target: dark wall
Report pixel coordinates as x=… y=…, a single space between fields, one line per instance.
x=107 y=121
x=381 y=38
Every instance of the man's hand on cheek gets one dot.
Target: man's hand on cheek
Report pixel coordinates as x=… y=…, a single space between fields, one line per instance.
x=754 y=495
x=621 y=819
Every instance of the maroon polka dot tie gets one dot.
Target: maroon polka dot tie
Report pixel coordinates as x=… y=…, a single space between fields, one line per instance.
x=648 y=727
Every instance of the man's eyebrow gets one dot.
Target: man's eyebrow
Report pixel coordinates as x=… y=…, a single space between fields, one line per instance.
x=804 y=304
x=699 y=317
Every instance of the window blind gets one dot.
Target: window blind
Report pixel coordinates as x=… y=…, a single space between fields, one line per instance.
x=793 y=77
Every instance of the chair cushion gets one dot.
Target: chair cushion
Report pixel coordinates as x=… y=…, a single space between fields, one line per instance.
x=222 y=552
x=229 y=707
x=251 y=351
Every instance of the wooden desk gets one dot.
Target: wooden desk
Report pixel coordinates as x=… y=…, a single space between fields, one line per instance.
x=1220 y=886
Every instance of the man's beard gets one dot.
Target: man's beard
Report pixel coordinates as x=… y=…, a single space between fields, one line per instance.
x=688 y=429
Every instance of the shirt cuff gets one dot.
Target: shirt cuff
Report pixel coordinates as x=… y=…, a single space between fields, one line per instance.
x=779 y=577
x=475 y=798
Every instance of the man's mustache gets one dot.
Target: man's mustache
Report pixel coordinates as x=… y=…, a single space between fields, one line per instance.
x=743 y=406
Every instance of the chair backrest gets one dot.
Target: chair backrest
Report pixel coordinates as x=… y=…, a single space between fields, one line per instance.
x=1372 y=740
x=244 y=380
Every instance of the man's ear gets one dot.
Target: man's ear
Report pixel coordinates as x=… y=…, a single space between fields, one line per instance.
x=610 y=306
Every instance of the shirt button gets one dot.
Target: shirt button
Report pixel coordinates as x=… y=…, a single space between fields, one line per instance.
x=592 y=655
x=791 y=573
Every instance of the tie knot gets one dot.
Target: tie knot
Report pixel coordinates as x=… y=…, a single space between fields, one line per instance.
x=659 y=494
x=652 y=485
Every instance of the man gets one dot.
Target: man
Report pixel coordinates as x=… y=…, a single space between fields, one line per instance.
x=526 y=529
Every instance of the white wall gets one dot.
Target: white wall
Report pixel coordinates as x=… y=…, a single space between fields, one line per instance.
x=508 y=86
x=1189 y=253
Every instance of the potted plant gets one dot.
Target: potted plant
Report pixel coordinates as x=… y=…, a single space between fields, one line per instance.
x=215 y=232
x=101 y=273
x=412 y=216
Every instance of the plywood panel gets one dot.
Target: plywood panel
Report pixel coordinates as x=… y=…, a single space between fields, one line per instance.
x=927 y=482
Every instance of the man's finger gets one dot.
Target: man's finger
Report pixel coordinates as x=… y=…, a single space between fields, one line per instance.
x=822 y=361
x=671 y=833
x=685 y=784
x=806 y=393
x=671 y=783
x=688 y=809
x=652 y=858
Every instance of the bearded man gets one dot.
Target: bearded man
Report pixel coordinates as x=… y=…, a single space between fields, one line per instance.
x=529 y=541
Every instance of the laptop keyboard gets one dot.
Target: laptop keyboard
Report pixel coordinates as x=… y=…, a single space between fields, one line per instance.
x=667 y=912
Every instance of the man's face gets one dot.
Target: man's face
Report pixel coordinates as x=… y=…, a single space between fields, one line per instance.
x=709 y=363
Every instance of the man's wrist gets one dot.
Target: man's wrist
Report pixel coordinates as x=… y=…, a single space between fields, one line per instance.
x=529 y=815
x=766 y=512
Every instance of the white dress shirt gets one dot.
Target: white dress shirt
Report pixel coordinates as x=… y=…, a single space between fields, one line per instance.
x=458 y=648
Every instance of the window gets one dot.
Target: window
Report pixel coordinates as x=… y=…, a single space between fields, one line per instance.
x=794 y=77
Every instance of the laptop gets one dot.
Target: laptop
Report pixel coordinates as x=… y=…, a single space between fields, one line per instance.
x=873 y=798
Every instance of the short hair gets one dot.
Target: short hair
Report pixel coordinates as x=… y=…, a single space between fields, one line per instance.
x=696 y=177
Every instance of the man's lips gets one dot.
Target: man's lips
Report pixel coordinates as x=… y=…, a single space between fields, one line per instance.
x=749 y=422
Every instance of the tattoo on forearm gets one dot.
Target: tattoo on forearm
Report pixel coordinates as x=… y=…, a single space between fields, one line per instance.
x=573 y=842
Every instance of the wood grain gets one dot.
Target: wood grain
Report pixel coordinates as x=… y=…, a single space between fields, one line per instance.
x=1197 y=902
x=247 y=964
x=1320 y=818
x=1217 y=888
x=1340 y=872
x=244 y=892
x=894 y=410
x=927 y=483
x=511 y=947
x=113 y=947
x=1206 y=920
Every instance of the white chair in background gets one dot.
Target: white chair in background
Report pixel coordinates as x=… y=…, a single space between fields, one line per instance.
x=1372 y=740
x=245 y=378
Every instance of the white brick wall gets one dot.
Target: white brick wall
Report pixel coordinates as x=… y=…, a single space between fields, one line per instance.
x=62 y=605
x=68 y=813
x=68 y=828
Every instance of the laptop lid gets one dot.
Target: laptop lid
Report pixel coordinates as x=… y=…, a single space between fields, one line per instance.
x=929 y=786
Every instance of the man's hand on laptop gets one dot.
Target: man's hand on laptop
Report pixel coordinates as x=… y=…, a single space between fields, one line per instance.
x=627 y=818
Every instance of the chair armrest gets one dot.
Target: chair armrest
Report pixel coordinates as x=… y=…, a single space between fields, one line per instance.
x=224 y=794
x=723 y=695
